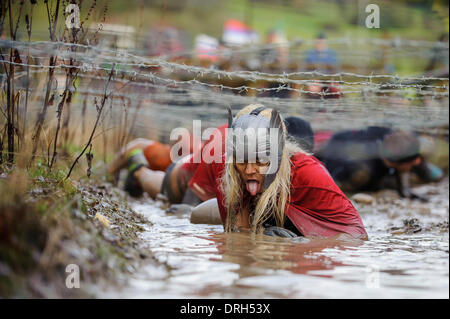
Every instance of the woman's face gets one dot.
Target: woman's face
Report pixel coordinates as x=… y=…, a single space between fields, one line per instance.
x=252 y=175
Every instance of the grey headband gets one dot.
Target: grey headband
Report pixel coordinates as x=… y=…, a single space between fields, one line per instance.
x=253 y=137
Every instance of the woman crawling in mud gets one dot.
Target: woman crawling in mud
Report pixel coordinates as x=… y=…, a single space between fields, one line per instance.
x=294 y=197
x=279 y=191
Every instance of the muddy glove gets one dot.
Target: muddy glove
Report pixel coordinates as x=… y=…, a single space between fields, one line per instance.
x=285 y=233
x=412 y=195
x=404 y=190
x=419 y=197
x=279 y=232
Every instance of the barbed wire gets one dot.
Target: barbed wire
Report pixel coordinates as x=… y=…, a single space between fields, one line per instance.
x=339 y=81
x=163 y=106
x=146 y=62
x=151 y=76
x=175 y=93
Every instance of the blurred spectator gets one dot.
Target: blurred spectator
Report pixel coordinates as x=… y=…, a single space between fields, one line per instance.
x=324 y=60
x=237 y=33
x=321 y=58
x=206 y=48
x=165 y=41
x=276 y=55
x=438 y=64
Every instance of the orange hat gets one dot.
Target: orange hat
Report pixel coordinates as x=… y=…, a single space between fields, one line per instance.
x=158 y=156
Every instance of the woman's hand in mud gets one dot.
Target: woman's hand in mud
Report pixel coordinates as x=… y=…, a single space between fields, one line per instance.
x=404 y=189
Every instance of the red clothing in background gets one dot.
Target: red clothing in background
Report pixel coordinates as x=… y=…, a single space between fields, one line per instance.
x=205 y=178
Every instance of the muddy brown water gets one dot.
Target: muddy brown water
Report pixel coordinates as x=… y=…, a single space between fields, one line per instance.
x=406 y=256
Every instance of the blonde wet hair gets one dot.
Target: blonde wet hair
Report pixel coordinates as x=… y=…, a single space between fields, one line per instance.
x=272 y=202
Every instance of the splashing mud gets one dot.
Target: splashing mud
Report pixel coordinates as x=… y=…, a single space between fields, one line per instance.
x=406 y=256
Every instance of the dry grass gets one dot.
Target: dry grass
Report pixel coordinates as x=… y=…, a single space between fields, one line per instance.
x=47 y=222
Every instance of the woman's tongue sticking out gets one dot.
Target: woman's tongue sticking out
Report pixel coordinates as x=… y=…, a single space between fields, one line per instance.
x=253 y=187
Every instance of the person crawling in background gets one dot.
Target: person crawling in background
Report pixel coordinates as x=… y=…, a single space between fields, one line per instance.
x=300 y=132
x=362 y=160
x=152 y=171
x=150 y=154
